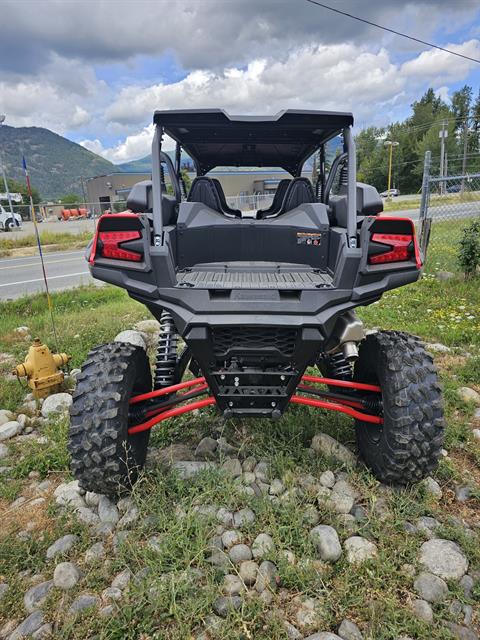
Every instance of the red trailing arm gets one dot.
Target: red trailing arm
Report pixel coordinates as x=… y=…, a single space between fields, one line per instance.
x=171 y=413
x=335 y=406
x=346 y=384
x=167 y=390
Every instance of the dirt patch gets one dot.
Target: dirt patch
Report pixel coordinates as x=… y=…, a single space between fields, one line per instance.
x=449 y=362
x=31 y=514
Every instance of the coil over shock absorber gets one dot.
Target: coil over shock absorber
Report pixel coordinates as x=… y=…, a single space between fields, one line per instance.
x=166 y=360
x=339 y=366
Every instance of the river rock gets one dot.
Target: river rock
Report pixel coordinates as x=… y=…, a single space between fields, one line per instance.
x=206 y=448
x=61 y=546
x=444 y=558
x=422 y=610
x=9 y=430
x=131 y=337
x=359 y=549
x=243 y=517
x=232 y=585
x=267 y=577
x=232 y=467
x=326 y=541
x=56 y=403
x=66 y=575
x=34 y=597
x=432 y=487
x=107 y=511
x=348 y=630
x=239 y=553
x=223 y=605
x=468 y=394
x=329 y=447
x=262 y=546
x=430 y=587
x=82 y=602
x=28 y=626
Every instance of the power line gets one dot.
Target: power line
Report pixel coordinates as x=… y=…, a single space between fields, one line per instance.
x=397 y=33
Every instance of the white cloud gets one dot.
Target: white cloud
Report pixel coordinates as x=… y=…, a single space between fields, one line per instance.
x=133 y=147
x=341 y=77
x=62 y=97
x=438 y=67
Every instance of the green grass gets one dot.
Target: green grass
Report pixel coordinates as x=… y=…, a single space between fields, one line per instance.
x=61 y=241
x=176 y=597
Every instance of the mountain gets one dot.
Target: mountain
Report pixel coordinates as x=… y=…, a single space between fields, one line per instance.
x=55 y=164
x=145 y=164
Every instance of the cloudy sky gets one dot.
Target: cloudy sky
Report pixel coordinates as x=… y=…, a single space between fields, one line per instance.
x=95 y=70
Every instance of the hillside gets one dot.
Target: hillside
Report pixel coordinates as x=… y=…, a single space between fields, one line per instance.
x=145 y=164
x=56 y=164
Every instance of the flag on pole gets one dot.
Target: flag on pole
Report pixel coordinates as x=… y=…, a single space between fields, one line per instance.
x=32 y=212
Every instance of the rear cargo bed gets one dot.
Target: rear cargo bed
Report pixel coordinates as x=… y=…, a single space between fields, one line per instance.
x=253 y=276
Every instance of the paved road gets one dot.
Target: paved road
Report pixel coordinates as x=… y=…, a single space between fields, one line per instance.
x=21 y=276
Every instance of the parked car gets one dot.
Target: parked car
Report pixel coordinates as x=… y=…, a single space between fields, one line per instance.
x=454 y=188
x=390 y=193
x=9 y=221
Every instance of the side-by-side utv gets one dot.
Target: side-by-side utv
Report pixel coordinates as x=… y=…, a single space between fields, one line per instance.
x=256 y=301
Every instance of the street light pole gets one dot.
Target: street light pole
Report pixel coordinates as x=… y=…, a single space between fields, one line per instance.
x=7 y=191
x=391 y=144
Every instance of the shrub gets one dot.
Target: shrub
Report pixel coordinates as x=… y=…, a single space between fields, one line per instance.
x=469 y=249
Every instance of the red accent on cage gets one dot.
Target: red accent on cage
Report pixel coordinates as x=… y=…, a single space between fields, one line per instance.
x=167 y=390
x=346 y=384
x=334 y=406
x=171 y=413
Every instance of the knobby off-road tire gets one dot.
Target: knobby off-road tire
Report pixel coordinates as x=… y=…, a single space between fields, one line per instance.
x=406 y=448
x=104 y=458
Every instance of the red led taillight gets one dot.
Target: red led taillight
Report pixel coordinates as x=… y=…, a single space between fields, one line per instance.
x=402 y=248
x=109 y=245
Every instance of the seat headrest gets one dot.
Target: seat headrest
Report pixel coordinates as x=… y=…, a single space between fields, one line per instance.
x=203 y=190
x=140 y=200
x=299 y=191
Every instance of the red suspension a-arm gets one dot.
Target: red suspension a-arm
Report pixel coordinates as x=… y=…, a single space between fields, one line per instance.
x=197 y=385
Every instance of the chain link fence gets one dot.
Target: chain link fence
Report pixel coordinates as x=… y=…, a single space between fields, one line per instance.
x=72 y=218
x=449 y=204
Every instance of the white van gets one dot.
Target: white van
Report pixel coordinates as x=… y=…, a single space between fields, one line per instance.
x=9 y=222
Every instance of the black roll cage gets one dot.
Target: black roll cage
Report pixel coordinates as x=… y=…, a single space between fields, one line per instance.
x=349 y=154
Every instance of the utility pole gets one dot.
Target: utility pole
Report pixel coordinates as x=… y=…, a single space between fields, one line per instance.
x=7 y=190
x=442 y=135
x=391 y=144
x=464 y=161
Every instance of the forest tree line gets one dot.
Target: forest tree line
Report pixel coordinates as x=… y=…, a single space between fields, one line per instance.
x=421 y=132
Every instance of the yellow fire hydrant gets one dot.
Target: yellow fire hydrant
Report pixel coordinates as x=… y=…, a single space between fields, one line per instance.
x=41 y=368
